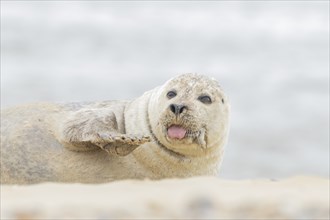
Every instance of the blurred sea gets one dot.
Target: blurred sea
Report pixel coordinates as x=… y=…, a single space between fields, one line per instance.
x=272 y=59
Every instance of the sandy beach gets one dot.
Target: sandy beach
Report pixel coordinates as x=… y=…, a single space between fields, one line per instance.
x=271 y=57
x=299 y=197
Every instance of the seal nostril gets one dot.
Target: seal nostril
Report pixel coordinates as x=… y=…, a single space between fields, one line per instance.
x=181 y=108
x=173 y=108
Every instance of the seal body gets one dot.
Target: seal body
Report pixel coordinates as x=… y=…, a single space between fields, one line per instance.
x=176 y=130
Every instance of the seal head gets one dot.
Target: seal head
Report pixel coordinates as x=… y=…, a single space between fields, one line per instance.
x=190 y=115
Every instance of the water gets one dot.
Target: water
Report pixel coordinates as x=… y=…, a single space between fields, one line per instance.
x=272 y=58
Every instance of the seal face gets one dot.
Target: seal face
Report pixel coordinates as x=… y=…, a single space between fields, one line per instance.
x=189 y=114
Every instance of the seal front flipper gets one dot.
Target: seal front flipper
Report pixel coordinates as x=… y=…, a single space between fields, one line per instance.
x=91 y=129
x=121 y=144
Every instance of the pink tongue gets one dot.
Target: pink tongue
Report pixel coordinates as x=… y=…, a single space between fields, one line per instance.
x=176 y=132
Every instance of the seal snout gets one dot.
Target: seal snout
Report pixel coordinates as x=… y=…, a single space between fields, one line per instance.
x=176 y=131
x=177 y=109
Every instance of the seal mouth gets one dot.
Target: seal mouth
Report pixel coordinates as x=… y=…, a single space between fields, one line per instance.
x=176 y=132
x=179 y=133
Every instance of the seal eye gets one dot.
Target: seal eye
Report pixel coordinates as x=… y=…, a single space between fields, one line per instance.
x=205 y=99
x=171 y=94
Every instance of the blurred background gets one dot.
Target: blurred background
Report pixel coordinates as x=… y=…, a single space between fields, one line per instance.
x=272 y=59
